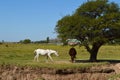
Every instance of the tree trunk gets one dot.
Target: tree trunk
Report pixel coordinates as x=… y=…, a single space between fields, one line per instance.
x=94 y=51
x=93 y=56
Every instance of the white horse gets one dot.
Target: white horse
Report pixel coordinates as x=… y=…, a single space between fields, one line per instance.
x=47 y=53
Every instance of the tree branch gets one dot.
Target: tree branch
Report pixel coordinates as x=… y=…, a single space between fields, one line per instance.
x=88 y=48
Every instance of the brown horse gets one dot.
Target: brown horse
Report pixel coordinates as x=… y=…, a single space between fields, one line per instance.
x=72 y=53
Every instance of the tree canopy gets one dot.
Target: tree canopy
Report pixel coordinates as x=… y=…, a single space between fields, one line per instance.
x=95 y=23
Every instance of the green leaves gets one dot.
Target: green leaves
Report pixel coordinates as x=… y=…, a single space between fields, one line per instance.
x=91 y=20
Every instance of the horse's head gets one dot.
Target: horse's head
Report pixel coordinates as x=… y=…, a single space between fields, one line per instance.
x=55 y=52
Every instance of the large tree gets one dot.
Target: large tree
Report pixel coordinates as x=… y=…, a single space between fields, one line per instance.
x=95 y=23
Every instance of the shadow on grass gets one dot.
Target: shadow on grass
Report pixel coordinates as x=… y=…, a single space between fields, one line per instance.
x=101 y=60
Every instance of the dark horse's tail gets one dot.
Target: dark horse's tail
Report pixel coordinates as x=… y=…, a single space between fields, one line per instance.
x=72 y=52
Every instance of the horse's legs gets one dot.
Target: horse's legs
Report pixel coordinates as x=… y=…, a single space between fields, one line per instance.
x=50 y=58
x=36 y=58
x=72 y=59
x=47 y=59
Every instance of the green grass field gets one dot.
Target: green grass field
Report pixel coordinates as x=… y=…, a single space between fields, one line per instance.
x=22 y=55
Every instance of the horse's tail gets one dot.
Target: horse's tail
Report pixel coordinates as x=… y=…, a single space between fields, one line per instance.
x=72 y=52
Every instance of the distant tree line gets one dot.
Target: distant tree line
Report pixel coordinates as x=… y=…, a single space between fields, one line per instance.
x=43 y=41
x=48 y=40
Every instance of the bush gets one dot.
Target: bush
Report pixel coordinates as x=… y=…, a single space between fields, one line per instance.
x=26 y=41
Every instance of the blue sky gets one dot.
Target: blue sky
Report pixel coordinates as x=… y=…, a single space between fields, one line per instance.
x=33 y=19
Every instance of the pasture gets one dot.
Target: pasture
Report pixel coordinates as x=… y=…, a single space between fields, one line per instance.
x=22 y=55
